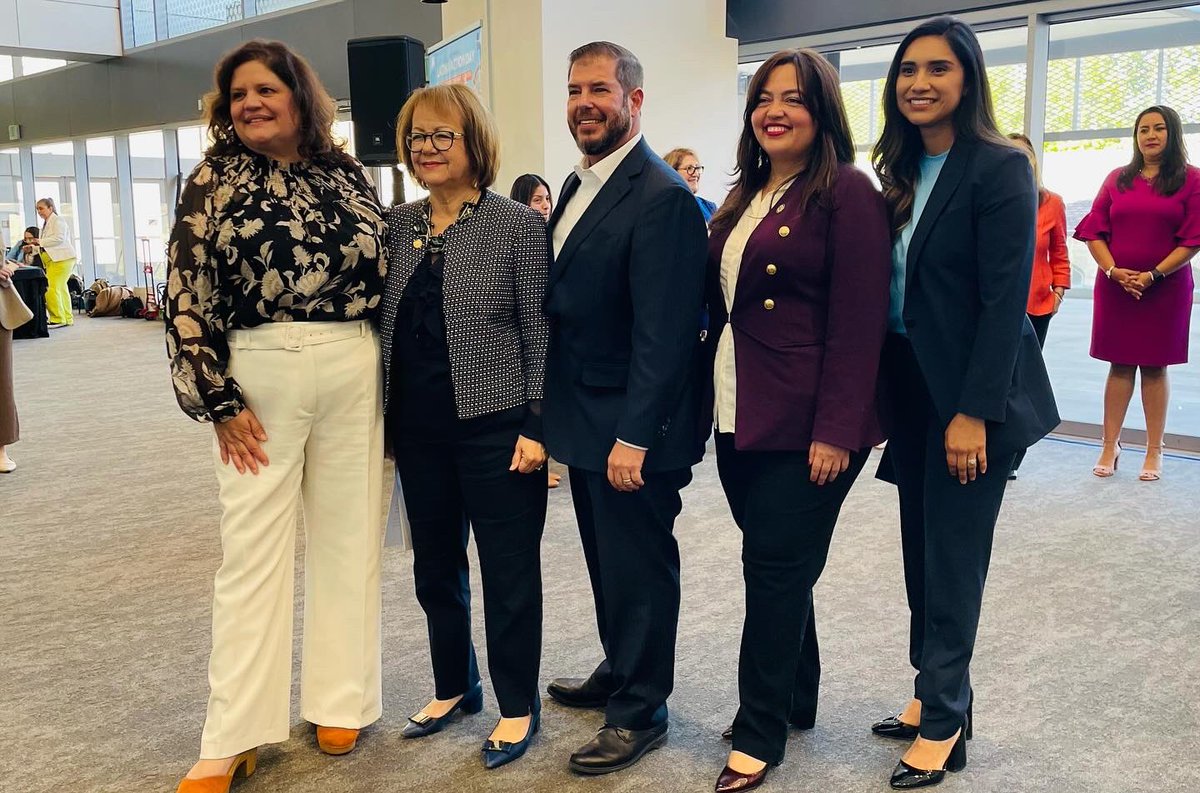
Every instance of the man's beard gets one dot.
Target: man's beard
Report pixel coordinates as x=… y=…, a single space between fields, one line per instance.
x=617 y=129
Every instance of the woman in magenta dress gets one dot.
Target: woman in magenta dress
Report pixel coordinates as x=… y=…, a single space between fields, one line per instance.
x=1142 y=231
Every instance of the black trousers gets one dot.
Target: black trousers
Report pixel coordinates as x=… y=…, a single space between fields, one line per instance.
x=633 y=563
x=1041 y=325
x=448 y=486
x=946 y=531
x=787 y=524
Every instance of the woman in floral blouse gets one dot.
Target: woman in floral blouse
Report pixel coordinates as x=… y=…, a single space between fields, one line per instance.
x=276 y=269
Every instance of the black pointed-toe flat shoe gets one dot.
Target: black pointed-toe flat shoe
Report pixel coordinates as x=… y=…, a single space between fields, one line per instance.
x=892 y=727
x=578 y=692
x=730 y=781
x=615 y=748
x=498 y=753
x=906 y=777
x=421 y=724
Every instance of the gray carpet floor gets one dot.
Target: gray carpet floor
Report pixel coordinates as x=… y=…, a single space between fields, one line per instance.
x=1087 y=670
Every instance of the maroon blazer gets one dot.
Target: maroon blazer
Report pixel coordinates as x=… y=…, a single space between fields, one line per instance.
x=809 y=318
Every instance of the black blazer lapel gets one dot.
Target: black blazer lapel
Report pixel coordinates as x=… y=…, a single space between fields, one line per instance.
x=947 y=182
x=609 y=196
x=564 y=195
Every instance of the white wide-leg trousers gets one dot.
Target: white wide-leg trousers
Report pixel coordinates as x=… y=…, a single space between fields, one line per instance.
x=315 y=387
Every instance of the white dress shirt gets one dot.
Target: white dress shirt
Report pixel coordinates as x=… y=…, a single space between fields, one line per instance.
x=590 y=181
x=725 y=371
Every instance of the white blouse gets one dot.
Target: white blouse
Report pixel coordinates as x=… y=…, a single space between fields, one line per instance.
x=725 y=370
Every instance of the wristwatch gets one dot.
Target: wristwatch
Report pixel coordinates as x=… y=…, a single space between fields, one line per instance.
x=1157 y=275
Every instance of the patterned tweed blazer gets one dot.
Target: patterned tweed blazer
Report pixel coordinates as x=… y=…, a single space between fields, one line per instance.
x=493 y=289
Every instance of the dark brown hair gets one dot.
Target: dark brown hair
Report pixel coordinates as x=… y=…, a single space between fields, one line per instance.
x=629 y=69
x=818 y=84
x=897 y=154
x=314 y=107
x=1172 y=168
x=525 y=185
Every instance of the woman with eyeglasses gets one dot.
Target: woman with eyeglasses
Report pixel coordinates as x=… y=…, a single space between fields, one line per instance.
x=687 y=164
x=464 y=351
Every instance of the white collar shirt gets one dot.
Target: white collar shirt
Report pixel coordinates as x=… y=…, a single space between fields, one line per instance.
x=591 y=180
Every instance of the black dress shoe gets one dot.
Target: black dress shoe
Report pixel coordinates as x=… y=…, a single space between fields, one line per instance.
x=578 y=692
x=892 y=727
x=421 y=724
x=906 y=777
x=731 y=780
x=615 y=748
x=795 y=722
x=498 y=753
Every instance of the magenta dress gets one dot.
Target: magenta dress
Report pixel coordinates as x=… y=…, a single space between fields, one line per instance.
x=1141 y=227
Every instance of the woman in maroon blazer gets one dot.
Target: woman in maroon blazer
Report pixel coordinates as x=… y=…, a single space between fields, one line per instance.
x=798 y=278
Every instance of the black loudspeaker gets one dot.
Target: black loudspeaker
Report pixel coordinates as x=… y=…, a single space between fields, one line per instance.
x=384 y=70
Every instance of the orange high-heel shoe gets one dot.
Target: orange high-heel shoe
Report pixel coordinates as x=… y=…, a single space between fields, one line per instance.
x=244 y=763
x=1105 y=471
x=336 y=740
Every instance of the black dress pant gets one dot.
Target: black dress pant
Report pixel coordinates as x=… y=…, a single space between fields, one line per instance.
x=1041 y=325
x=449 y=486
x=946 y=531
x=633 y=562
x=787 y=524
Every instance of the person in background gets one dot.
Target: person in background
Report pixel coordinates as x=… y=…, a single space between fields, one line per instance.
x=58 y=255
x=30 y=238
x=798 y=275
x=965 y=387
x=1051 y=276
x=465 y=337
x=10 y=427
x=532 y=191
x=275 y=271
x=1143 y=229
x=687 y=165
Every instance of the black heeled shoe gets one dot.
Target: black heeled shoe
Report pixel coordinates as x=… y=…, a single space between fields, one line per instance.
x=906 y=777
x=421 y=724
x=498 y=753
x=892 y=727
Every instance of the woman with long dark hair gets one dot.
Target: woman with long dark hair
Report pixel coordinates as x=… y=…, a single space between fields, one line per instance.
x=966 y=386
x=532 y=191
x=797 y=290
x=1143 y=229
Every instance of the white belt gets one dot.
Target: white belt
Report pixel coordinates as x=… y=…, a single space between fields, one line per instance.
x=296 y=335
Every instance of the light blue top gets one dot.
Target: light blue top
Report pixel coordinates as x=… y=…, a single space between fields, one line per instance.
x=931 y=167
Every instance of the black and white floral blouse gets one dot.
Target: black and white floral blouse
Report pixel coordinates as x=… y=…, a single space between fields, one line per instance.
x=257 y=241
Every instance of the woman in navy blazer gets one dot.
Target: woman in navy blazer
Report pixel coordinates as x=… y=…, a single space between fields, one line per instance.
x=964 y=381
x=798 y=292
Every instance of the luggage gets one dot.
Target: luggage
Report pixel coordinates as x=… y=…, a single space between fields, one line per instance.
x=109 y=300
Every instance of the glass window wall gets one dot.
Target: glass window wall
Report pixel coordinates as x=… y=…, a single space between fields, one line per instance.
x=108 y=249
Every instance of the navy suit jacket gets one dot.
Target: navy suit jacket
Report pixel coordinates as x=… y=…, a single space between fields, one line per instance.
x=624 y=301
x=968 y=269
x=808 y=319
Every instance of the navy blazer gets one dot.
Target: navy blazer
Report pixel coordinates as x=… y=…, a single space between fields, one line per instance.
x=808 y=319
x=624 y=302
x=967 y=282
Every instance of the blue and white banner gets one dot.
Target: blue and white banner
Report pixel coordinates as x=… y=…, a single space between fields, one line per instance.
x=458 y=60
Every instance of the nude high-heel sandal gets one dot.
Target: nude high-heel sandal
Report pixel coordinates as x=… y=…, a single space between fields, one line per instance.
x=1105 y=471
x=1152 y=474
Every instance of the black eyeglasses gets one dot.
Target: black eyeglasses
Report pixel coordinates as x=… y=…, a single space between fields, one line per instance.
x=442 y=140
x=693 y=170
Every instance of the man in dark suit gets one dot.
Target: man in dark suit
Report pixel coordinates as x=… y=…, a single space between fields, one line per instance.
x=624 y=301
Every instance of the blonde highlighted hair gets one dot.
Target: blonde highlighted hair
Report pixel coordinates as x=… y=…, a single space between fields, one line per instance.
x=674 y=157
x=480 y=138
